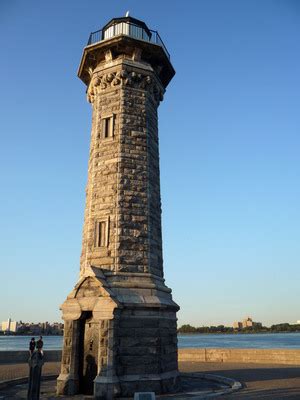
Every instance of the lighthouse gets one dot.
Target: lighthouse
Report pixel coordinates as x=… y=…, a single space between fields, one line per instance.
x=120 y=329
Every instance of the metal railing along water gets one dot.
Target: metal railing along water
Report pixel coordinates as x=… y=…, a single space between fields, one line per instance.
x=129 y=29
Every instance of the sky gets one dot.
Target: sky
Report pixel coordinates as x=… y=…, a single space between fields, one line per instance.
x=229 y=153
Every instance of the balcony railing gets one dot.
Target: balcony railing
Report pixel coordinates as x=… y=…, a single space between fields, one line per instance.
x=129 y=29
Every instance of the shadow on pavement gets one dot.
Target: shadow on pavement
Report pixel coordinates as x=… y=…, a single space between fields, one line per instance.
x=265 y=394
x=263 y=383
x=257 y=374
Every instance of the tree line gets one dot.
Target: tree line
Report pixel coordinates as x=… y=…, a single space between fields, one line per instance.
x=283 y=327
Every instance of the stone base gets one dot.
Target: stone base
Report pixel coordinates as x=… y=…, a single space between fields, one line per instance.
x=106 y=388
x=120 y=337
x=160 y=384
x=67 y=385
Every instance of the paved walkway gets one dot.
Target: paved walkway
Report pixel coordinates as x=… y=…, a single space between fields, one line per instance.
x=194 y=388
x=261 y=381
x=13 y=371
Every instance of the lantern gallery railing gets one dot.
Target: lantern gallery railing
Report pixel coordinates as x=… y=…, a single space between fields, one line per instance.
x=130 y=29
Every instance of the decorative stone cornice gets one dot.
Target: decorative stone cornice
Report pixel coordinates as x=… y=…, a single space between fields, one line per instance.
x=103 y=81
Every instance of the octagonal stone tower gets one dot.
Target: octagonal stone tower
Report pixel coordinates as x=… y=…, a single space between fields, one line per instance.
x=120 y=320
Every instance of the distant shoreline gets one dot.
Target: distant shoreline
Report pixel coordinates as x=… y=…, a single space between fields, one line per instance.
x=240 y=332
x=236 y=333
x=185 y=340
x=179 y=333
x=283 y=327
x=30 y=334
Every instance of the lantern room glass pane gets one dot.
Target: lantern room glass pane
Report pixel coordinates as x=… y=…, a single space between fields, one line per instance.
x=125 y=28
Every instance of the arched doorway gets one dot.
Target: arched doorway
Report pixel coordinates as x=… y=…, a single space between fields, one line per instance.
x=88 y=352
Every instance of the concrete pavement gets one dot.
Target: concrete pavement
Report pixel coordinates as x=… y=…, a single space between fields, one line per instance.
x=261 y=381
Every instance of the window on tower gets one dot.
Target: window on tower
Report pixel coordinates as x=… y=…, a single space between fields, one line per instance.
x=108 y=127
x=101 y=237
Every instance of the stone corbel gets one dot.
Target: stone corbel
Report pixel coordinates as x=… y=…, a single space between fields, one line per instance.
x=108 y=55
x=71 y=310
x=104 y=308
x=136 y=55
x=125 y=77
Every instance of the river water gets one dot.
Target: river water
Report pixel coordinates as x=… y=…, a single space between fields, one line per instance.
x=234 y=341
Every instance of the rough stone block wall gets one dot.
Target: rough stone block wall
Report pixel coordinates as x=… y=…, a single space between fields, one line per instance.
x=260 y=356
x=101 y=192
x=123 y=176
x=133 y=195
x=155 y=235
x=147 y=342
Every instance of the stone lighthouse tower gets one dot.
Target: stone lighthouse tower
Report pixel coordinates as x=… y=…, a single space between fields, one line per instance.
x=120 y=320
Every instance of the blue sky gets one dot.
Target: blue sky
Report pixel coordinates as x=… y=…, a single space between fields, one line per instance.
x=229 y=146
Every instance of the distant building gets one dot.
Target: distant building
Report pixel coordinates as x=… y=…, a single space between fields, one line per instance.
x=257 y=324
x=237 y=325
x=40 y=328
x=9 y=326
x=246 y=323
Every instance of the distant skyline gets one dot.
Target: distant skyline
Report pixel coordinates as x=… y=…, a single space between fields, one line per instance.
x=228 y=325
x=229 y=153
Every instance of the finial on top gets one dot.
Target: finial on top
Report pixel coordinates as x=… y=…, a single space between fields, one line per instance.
x=127 y=14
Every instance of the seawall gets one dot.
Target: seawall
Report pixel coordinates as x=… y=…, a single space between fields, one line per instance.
x=18 y=357
x=261 y=356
